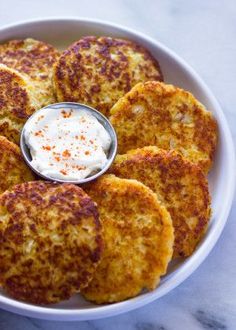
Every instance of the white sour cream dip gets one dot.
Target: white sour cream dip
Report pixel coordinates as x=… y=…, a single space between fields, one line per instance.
x=66 y=144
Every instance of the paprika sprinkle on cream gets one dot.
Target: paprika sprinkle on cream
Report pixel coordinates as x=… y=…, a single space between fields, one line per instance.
x=67 y=144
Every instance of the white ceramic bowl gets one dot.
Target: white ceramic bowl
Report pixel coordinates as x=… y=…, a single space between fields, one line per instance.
x=62 y=32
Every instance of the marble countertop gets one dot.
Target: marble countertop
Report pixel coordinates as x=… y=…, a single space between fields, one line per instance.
x=203 y=33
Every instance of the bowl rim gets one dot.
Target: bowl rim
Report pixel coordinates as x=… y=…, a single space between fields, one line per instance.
x=189 y=265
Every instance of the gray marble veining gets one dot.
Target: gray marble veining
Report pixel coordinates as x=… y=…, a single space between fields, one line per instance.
x=204 y=33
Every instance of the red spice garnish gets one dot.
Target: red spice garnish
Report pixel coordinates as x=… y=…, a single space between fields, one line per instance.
x=66 y=114
x=66 y=153
x=78 y=167
x=57 y=158
x=48 y=148
x=63 y=172
x=82 y=137
x=38 y=133
x=87 y=153
x=40 y=117
x=91 y=141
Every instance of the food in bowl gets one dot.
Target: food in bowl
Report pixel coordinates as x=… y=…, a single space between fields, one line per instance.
x=51 y=241
x=179 y=184
x=17 y=103
x=13 y=169
x=34 y=60
x=169 y=117
x=140 y=213
x=66 y=143
x=99 y=70
x=138 y=239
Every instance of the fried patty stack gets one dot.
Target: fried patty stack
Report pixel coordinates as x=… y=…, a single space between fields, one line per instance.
x=179 y=184
x=25 y=82
x=34 y=60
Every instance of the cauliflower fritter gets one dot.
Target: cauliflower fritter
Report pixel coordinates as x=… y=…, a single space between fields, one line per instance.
x=168 y=117
x=138 y=239
x=179 y=184
x=13 y=169
x=51 y=241
x=34 y=60
x=16 y=103
x=97 y=71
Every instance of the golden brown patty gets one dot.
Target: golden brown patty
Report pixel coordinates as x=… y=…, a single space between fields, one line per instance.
x=154 y=113
x=98 y=71
x=13 y=169
x=34 y=59
x=138 y=239
x=50 y=239
x=179 y=184
x=16 y=103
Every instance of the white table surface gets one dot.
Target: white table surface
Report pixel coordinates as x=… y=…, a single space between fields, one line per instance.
x=204 y=33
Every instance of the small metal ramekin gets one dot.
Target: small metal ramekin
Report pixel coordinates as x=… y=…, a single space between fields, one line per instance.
x=78 y=107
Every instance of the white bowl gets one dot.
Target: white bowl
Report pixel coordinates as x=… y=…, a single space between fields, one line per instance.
x=62 y=32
